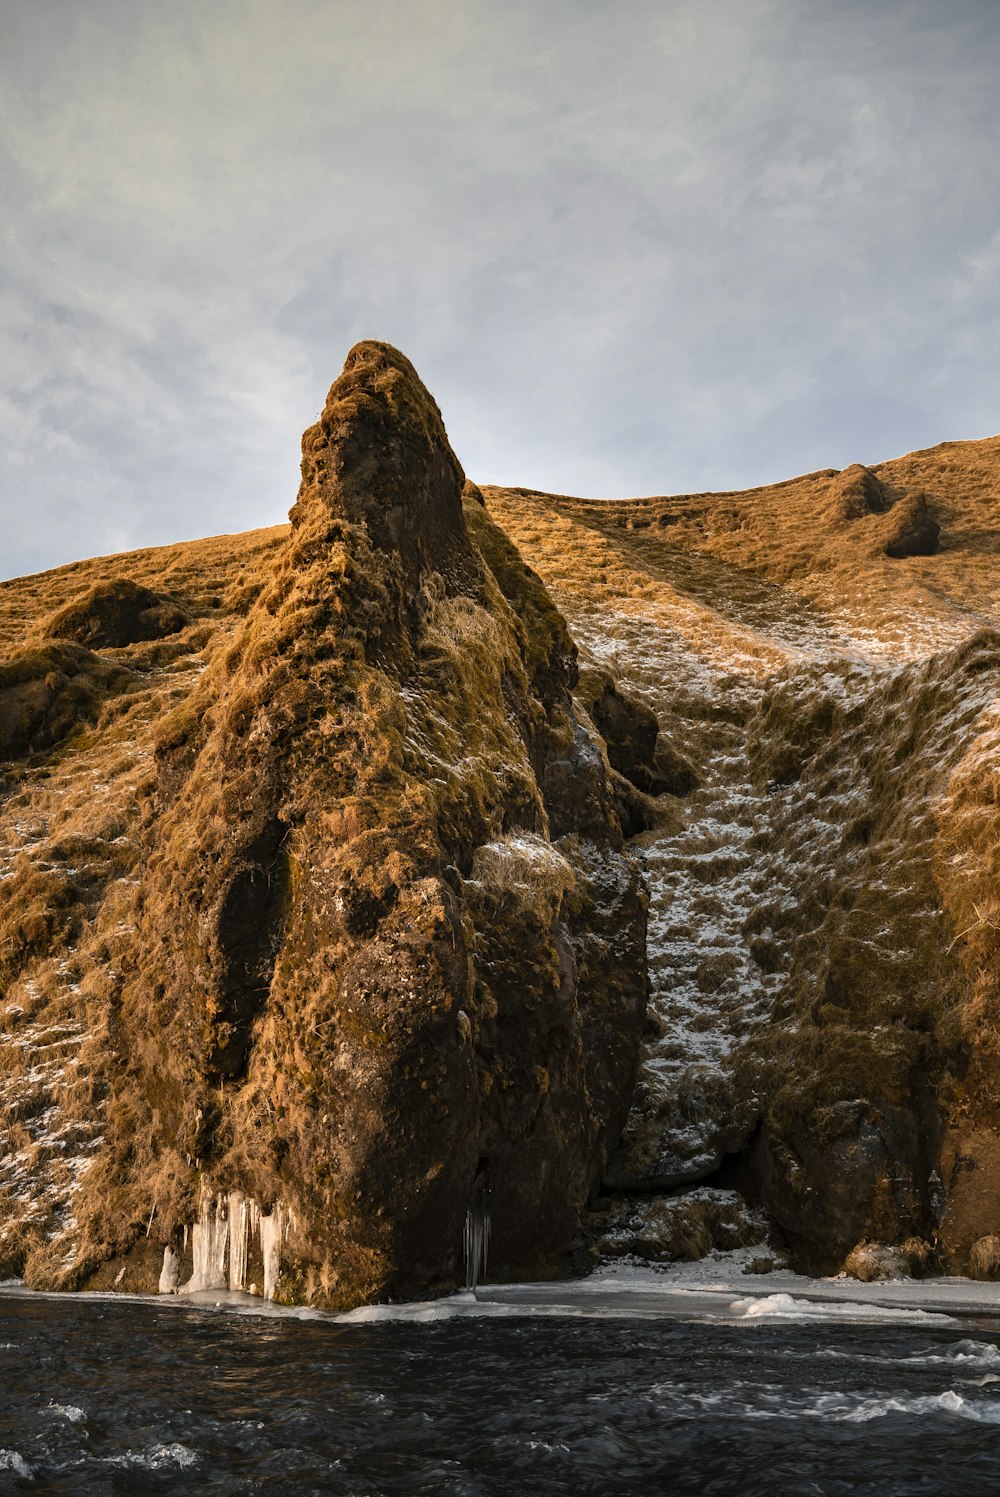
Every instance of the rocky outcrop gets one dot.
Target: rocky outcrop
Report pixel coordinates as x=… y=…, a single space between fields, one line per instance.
x=47 y=692
x=116 y=613
x=857 y=492
x=384 y=970
x=631 y=731
x=322 y=965
x=914 y=530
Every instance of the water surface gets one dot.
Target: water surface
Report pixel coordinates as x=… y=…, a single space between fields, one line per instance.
x=101 y=1396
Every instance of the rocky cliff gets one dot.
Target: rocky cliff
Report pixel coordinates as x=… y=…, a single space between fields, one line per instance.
x=324 y=856
x=321 y=949
x=824 y=901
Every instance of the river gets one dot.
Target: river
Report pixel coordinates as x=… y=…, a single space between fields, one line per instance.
x=766 y=1395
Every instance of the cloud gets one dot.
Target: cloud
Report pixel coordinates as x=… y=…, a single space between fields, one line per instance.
x=644 y=247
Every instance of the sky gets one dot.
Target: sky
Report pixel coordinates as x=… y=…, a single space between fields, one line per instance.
x=631 y=246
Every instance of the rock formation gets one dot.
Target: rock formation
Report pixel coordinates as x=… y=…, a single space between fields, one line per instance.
x=323 y=956
x=116 y=613
x=379 y=954
x=915 y=532
x=859 y=492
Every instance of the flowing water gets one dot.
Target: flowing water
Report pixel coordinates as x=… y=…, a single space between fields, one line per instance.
x=104 y=1396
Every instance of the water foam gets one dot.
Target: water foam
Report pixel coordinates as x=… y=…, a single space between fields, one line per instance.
x=10 y=1460
x=157 y=1457
x=68 y=1411
x=864 y=1410
x=787 y=1307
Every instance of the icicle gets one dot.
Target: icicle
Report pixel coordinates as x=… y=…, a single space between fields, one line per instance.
x=209 y=1245
x=170 y=1273
x=221 y=1239
x=477 y=1227
x=272 y=1230
x=239 y=1232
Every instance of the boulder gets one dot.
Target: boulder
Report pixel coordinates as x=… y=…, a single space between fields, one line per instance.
x=857 y=492
x=49 y=691
x=913 y=529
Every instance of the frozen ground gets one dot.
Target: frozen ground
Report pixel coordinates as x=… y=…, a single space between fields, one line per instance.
x=715 y=1288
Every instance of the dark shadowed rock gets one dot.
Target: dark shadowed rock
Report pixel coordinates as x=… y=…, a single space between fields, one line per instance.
x=850 y=1171
x=632 y=733
x=914 y=530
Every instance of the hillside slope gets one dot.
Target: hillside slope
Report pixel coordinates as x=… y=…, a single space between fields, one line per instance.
x=824 y=904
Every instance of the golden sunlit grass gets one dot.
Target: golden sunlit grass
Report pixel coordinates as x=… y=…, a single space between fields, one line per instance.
x=859 y=691
x=850 y=695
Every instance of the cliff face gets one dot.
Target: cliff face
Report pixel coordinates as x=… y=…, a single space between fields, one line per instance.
x=366 y=951
x=824 y=906
x=322 y=918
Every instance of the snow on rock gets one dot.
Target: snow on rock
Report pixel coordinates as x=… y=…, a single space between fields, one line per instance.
x=800 y=931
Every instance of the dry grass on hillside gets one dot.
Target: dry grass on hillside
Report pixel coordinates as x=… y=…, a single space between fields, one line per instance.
x=70 y=820
x=824 y=919
x=798 y=534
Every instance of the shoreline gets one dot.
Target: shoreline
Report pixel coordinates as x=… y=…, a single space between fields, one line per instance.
x=714 y=1289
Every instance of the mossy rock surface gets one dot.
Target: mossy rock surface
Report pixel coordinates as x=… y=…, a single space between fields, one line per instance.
x=387 y=941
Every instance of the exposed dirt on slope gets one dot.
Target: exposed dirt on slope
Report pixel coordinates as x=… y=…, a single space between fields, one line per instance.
x=819 y=1026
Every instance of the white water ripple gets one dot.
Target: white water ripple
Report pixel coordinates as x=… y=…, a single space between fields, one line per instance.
x=10 y=1460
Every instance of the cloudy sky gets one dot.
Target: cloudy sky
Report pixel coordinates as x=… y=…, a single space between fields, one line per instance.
x=633 y=246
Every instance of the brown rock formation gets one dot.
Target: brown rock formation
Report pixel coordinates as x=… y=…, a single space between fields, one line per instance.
x=385 y=960
x=858 y=492
x=46 y=692
x=914 y=530
x=116 y=613
x=316 y=925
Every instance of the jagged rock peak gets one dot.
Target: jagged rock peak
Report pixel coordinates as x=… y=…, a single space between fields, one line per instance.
x=379 y=456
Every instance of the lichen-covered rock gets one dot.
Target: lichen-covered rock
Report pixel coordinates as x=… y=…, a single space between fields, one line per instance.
x=386 y=960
